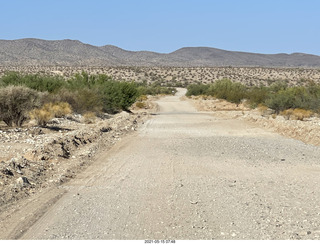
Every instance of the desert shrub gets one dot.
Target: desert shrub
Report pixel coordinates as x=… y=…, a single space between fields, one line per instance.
x=128 y=94
x=257 y=95
x=301 y=114
x=34 y=81
x=16 y=102
x=278 y=86
x=84 y=92
x=41 y=116
x=226 y=89
x=59 y=109
x=197 y=89
x=87 y=100
x=155 y=89
x=50 y=110
x=117 y=96
x=81 y=101
x=89 y=117
x=297 y=114
x=98 y=93
x=84 y=80
x=280 y=101
x=293 y=97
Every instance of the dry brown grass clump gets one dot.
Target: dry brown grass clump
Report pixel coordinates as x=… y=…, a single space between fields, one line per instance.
x=49 y=111
x=142 y=98
x=264 y=110
x=287 y=113
x=140 y=104
x=296 y=114
x=59 y=109
x=89 y=117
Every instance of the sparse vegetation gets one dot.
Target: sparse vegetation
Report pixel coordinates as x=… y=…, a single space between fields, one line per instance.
x=278 y=96
x=155 y=88
x=182 y=76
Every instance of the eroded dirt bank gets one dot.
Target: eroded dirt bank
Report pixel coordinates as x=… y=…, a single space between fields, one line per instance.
x=36 y=160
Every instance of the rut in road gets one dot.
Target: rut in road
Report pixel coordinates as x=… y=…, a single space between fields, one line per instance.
x=190 y=175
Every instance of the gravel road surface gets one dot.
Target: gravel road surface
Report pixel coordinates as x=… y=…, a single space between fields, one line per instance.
x=190 y=175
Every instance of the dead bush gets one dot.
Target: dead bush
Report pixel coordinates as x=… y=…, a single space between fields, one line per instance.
x=16 y=102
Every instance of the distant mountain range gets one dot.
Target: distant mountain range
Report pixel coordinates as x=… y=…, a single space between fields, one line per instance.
x=27 y=52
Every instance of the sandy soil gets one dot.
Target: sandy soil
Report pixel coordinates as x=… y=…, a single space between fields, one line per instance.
x=184 y=175
x=306 y=130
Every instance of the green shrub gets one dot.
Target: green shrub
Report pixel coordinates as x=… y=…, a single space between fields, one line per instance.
x=278 y=86
x=117 y=96
x=280 y=101
x=34 y=81
x=87 y=100
x=226 y=89
x=81 y=101
x=84 y=80
x=155 y=89
x=291 y=98
x=197 y=89
x=16 y=102
x=257 y=95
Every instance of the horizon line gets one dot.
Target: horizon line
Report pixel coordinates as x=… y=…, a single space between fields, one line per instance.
x=68 y=39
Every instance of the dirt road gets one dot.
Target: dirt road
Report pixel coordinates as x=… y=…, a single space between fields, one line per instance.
x=190 y=175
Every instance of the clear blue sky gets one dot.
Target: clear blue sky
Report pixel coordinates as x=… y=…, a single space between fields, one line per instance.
x=263 y=26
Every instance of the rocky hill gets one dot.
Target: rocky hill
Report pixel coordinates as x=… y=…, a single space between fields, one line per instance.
x=27 y=52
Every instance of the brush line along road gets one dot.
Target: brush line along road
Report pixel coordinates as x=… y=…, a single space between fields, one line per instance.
x=190 y=175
